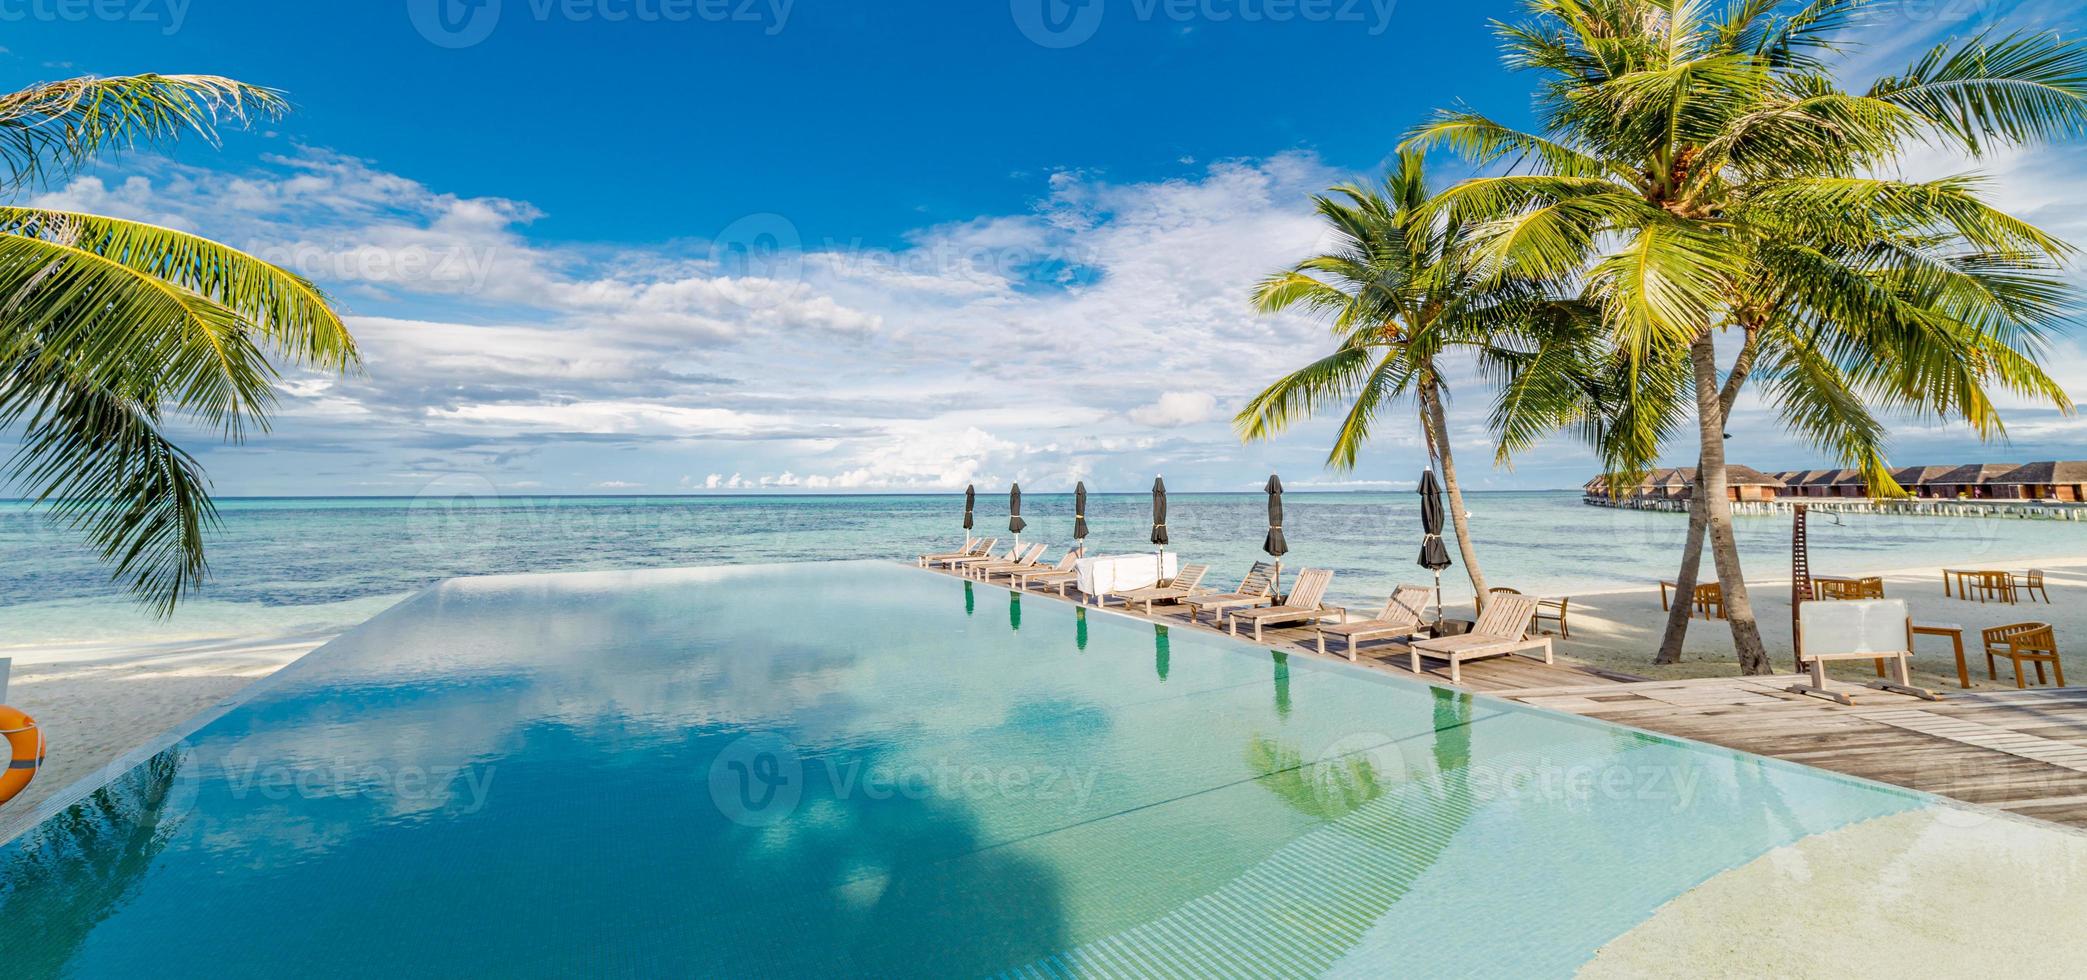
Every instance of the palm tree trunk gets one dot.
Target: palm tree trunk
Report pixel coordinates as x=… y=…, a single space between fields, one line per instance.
x=1710 y=489
x=1683 y=609
x=1679 y=614
x=1436 y=421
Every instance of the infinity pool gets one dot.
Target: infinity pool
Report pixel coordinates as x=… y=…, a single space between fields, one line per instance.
x=864 y=768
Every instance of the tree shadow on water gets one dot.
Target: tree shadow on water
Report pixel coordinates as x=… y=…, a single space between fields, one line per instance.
x=61 y=880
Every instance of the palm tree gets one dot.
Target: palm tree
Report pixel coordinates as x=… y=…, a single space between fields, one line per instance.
x=108 y=327
x=1400 y=291
x=1710 y=175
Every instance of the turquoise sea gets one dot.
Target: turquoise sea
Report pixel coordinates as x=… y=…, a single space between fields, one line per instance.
x=292 y=567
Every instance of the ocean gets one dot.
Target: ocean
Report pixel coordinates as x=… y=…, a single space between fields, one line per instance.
x=310 y=567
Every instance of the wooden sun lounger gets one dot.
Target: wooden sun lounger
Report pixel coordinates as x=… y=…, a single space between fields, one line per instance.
x=1026 y=559
x=1401 y=618
x=957 y=564
x=1048 y=576
x=1502 y=629
x=1257 y=589
x=1303 y=605
x=977 y=546
x=1181 y=586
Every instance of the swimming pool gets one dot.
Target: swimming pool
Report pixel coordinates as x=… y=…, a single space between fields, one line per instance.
x=865 y=768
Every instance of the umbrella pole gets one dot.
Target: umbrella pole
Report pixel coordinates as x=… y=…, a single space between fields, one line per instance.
x=1438 y=600
x=1278 y=590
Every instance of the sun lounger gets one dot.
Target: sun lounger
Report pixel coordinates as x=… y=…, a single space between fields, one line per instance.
x=989 y=569
x=979 y=548
x=960 y=564
x=1257 y=589
x=975 y=546
x=1039 y=575
x=1857 y=629
x=1502 y=629
x=1401 y=618
x=1181 y=586
x=1303 y=605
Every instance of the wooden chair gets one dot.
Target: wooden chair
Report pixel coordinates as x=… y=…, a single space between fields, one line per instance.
x=1257 y=589
x=985 y=556
x=2036 y=643
x=1502 y=629
x=1857 y=629
x=1710 y=600
x=1181 y=586
x=1551 y=610
x=1401 y=617
x=1303 y=605
x=2030 y=583
x=1994 y=585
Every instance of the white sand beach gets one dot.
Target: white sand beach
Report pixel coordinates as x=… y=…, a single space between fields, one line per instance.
x=98 y=701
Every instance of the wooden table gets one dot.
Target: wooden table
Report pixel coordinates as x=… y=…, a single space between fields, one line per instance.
x=1956 y=639
x=1964 y=591
x=1703 y=591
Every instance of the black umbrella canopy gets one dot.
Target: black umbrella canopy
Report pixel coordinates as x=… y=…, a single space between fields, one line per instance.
x=1274 y=544
x=1079 y=511
x=1433 y=556
x=1014 y=509
x=970 y=501
x=1159 y=511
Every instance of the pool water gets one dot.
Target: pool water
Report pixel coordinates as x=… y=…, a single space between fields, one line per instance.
x=860 y=767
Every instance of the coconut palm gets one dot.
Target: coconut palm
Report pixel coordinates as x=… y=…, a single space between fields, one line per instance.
x=1711 y=174
x=110 y=329
x=1400 y=293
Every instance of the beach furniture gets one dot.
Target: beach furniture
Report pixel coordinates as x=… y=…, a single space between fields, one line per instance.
x=1880 y=630
x=1549 y=610
x=988 y=558
x=1054 y=575
x=1502 y=629
x=1181 y=586
x=2035 y=643
x=1301 y=606
x=1256 y=589
x=1027 y=559
x=1842 y=587
x=1401 y=618
x=1708 y=600
x=1103 y=575
x=1955 y=635
x=979 y=548
x=2031 y=582
x=972 y=546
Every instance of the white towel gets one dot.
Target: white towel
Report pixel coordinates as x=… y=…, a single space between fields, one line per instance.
x=1105 y=574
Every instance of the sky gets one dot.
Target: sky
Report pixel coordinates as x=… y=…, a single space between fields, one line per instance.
x=672 y=246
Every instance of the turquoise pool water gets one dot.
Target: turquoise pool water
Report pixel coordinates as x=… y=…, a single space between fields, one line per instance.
x=863 y=768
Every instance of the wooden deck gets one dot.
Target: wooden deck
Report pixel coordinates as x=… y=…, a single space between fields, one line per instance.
x=2020 y=751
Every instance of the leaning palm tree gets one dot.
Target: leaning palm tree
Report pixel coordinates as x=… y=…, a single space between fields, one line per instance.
x=1707 y=175
x=1400 y=291
x=110 y=327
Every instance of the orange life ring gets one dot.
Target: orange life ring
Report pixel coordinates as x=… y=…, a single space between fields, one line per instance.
x=27 y=743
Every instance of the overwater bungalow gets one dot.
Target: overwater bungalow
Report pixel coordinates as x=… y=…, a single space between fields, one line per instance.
x=2059 y=481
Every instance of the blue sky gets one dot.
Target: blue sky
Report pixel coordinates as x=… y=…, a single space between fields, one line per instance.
x=661 y=246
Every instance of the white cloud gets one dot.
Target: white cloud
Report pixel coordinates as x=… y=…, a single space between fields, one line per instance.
x=1177 y=408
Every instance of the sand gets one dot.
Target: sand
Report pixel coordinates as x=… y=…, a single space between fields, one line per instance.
x=1621 y=630
x=1861 y=901
x=96 y=702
